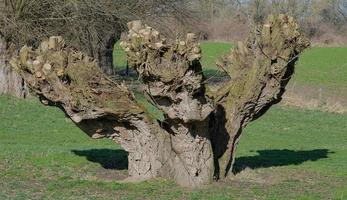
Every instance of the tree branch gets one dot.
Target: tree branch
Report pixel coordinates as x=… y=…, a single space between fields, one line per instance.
x=259 y=69
x=171 y=72
x=73 y=81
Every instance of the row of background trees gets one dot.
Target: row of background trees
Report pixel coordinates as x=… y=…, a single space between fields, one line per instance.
x=324 y=21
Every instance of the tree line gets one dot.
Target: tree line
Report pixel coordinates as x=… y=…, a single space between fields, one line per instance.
x=317 y=17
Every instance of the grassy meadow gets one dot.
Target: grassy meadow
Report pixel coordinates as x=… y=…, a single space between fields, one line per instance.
x=289 y=153
x=323 y=66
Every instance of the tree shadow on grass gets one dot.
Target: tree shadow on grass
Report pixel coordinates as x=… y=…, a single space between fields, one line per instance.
x=276 y=157
x=107 y=158
x=118 y=158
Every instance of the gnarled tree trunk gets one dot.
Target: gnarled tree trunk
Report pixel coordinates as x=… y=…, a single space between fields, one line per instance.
x=10 y=82
x=197 y=139
x=105 y=55
x=259 y=69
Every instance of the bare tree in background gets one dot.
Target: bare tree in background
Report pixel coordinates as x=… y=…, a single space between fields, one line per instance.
x=318 y=17
x=91 y=25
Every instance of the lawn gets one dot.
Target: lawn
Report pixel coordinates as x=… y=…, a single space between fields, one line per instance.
x=323 y=66
x=287 y=154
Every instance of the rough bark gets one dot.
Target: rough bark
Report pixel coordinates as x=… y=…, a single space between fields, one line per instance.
x=198 y=137
x=103 y=108
x=260 y=69
x=105 y=55
x=173 y=82
x=10 y=82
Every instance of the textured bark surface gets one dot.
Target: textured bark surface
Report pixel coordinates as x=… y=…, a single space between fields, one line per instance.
x=102 y=108
x=197 y=139
x=105 y=55
x=260 y=69
x=10 y=82
x=173 y=82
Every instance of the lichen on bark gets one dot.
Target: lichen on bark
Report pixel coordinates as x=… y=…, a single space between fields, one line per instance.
x=197 y=138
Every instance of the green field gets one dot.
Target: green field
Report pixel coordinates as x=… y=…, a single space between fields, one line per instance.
x=288 y=154
x=323 y=66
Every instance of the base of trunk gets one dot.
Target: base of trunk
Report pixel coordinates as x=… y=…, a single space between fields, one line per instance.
x=185 y=157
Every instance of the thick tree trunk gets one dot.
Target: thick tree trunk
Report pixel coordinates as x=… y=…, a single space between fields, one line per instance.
x=105 y=56
x=180 y=150
x=154 y=152
x=10 y=82
x=197 y=139
x=173 y=82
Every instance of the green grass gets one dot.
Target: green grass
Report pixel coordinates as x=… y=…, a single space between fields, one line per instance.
x=211 y=51
x=290 y=154
x=323 y=66
x=119 y=57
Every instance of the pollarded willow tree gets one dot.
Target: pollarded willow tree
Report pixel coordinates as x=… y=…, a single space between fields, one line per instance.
x=196 y=141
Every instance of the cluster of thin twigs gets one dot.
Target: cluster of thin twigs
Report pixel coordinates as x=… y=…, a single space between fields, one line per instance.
x=85 y=24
